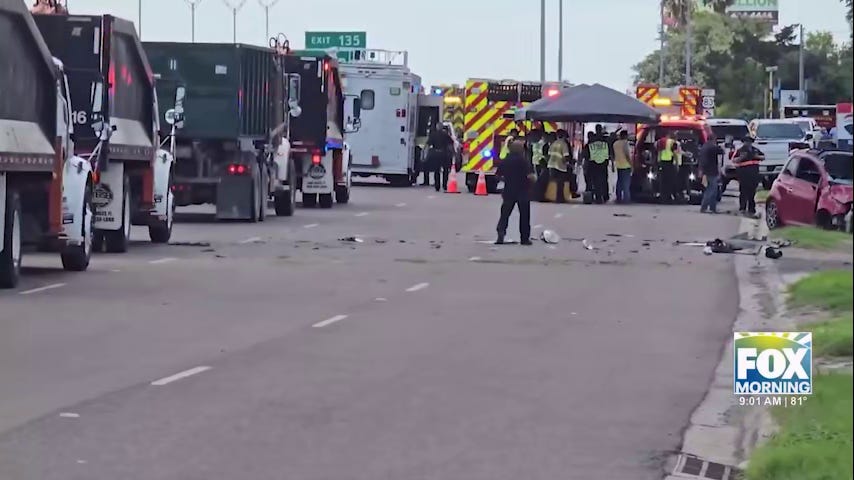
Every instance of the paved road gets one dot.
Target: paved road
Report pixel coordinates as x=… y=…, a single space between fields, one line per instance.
x=276 y=350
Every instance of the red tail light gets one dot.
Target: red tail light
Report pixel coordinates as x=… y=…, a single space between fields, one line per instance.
x=238 y=169
x=316 y=158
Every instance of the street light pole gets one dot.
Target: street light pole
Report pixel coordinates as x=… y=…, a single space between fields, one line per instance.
x=235 y=6
x=560 y=42
x=542 y=40
x=689 y=32
x=193 y=4
x=770 y=102
x=267 y=4
x=801 y=78
x=139 y=17
x=661 y=47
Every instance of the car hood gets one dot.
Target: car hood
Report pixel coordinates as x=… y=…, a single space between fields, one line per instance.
x=777 y=149
x=841 y=193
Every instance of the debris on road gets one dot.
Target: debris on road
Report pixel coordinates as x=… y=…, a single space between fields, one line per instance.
x=351 y=239
x=624 y=215
x=550 y=236
x=190 y=244
x=587 y=245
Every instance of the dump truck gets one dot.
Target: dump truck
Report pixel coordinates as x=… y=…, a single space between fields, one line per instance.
x=233 y=151
x=102 y=53
x=318 y=147
x=45 y=190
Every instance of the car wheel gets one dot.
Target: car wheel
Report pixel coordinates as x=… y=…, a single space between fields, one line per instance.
x=772 y=215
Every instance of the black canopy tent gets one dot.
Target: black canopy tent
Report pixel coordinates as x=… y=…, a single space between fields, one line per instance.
x=589 y=103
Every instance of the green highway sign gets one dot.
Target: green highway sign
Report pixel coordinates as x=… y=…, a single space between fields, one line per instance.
x=323 y=40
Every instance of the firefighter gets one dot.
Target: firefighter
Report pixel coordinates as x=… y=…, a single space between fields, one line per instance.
x=599 y=153
x=517 y=173
x=558 y=155
x=747 y=159
x=505 y=146
x=538 y=158
x=667 y=147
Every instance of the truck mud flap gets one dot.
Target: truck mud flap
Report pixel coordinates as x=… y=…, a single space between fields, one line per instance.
x=234 y=197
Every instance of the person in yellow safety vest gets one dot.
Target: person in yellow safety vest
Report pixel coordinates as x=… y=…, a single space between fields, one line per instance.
x=538 y=157
x=558 y=155
x=599 y=156
x=623 y=162
x=505 y=147
x=667 y=157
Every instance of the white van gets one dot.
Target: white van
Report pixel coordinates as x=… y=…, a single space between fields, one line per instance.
x=385 y=144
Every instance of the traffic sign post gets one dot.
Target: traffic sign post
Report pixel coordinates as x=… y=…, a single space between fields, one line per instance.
x=341 y=40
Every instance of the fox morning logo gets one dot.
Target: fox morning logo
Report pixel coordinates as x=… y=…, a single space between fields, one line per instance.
x=772 y=363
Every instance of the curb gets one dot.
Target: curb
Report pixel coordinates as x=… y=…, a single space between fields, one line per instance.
x=720 y=430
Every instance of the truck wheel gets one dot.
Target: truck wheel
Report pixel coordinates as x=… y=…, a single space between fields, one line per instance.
x=325 y=200
x=342 y=194
x=160 y=231
x=117 y=241
x=262 y=202
x=309 y=200
x=75 y=258
x=285 y=202
x=10 y=257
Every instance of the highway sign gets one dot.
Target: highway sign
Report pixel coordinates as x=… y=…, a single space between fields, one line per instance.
x=323 y=40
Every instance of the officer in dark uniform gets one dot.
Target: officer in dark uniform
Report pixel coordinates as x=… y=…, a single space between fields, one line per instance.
x=517 y=173
x=747 y=159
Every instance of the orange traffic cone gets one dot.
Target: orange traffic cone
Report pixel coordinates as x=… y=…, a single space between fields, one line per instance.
x=480 y=188
x=452 y=181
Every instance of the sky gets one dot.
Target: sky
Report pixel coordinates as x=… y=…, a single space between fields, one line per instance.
x=451 y=40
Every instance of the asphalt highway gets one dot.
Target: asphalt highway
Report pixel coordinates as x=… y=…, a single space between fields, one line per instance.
x=387 y=339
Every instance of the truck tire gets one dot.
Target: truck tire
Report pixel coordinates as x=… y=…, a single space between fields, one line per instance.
x=342 y=194
x=264 y=187
x=10 y=257
x=75 y=258
x=285 y=202
x=325 y=200
x=117 y=241
x=309 y=200
x=160 y=231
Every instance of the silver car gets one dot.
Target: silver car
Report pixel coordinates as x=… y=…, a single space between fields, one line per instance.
x=776 y=138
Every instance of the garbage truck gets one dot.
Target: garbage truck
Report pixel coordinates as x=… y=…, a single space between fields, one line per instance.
x=45 y=189
x=119 y=131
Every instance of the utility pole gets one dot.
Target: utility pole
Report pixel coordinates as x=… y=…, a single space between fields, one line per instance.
x=193 y=4
x=139 y=17
x=689 y=50
x=235 y=6
x=560 y=42
x=801 y=80
x=542 y=40
x=661 y=47
x=770 y=102
x=267 y=4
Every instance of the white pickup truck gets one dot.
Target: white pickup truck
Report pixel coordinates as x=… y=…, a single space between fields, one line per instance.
x=776 y=138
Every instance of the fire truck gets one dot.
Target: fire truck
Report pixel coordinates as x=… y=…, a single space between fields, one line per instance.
x=490 y=107
x=671 y=102
x=453 y=111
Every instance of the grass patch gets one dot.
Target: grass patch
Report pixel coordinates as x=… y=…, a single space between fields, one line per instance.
x=761 y=196
x=815 y=439
x=813 y=238
x=829 y=290
x=833 y=338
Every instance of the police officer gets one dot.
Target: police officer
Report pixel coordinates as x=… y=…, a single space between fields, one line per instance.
x=667 y=167
x=599 y=156
x=439 y=157
x=505 y=146
x=747 y=159
x=517 y=173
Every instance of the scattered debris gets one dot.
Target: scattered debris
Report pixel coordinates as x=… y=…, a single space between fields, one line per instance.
x=190 y=244
x=208 y=250
x=707 y=250
x=634 y=251
x=773 y=253
x=379 y=240
x=220 y=256
x=351 y=239
x=645 y=244
x=587 y=245
x=401 y=241
x=719 y=246
x=550 y=236
x=624 y=215
x=613 y=234
x=781 y=243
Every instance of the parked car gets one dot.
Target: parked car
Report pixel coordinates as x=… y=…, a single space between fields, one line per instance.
x=815 y=188
x=776 y=138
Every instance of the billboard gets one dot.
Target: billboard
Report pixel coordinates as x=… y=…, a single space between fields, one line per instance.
x=762 y=10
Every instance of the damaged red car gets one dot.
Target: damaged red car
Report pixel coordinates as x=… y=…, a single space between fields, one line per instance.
x=814 y=188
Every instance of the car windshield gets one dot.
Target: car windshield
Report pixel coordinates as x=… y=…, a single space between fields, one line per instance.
x=779 y=131
x=804 y=124
x=839 y=167
x=737 y=132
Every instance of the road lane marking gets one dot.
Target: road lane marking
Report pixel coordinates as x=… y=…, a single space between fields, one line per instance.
x=380 y=299
x=558 y=215
x=329 y=321
x=179 y=376
x=250 y=240
x=42 y=289
x=69 y=415
x=418 y=286
x=161 y=261
x=474 y=259
x=362 y=214
x=310 y=225
x=115 y=270
x=431 y=197
x=81 y=462
x=538 y=226
x=400 y=205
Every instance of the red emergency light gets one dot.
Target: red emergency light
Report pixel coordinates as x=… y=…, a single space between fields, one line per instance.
x=552 y=92
x=238 y=169
x=316 y=158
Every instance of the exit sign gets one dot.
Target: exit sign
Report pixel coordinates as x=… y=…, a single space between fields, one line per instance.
x=323 y=40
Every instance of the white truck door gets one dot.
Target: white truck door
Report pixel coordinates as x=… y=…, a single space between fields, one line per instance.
x=376 y=145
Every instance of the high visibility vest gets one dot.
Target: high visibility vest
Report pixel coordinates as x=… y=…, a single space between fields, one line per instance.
x=505 y=148
x=754 y=161
x=666 y=155
x=537 y=153
x=621 y=161
x=558 y=150
x=598 y=151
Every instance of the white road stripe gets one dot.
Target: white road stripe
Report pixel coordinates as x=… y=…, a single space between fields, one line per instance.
x=400 y=205
x=538 y=226
x=115 y=270
x=381 y=299
x=250 y=240
x=329 y=321
x=42 y=289
x=558 y=215
x=474 y=259
x=160 y=261
x=310 y=225
x=418 y=286
x=431 y=197
x=362 y=214
x=179 y=376
x=69 y=415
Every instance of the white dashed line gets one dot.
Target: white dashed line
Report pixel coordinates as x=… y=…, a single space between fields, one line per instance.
x=81 y=462
x=418 y=286
x=400 y=205
x=329 y=321
x=42 y=289
x=362 y=214
x=380 y=299
x=431 y=197
x=310 y=225
x=179 y=376
x=161 y=261
x=474 y=259
x=558 y=215
x=69 y=415
x=250 y=240
x=115 y=270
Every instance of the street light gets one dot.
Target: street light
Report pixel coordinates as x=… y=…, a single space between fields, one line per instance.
x=267 y=5
x=193 y=4
x=769 y=113
x=235 y=6
x=801 y=79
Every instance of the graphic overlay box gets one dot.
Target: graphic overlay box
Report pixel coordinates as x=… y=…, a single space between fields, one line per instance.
x=772 y=363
